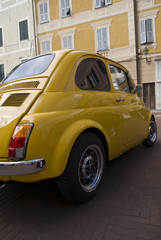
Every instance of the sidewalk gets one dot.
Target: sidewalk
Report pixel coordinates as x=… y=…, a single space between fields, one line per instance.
x=156 y=112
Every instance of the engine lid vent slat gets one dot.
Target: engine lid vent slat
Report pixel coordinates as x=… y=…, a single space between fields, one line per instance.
x=15 y=100
x=23 y=85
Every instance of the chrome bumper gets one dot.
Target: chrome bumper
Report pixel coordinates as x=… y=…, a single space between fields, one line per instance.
x=22 y=167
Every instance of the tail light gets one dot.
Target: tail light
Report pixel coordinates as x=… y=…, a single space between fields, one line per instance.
x=18 y=144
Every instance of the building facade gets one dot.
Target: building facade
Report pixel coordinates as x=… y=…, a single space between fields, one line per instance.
x=17 y=33
x=127 y=31
x=103 y=26
x=149 y=49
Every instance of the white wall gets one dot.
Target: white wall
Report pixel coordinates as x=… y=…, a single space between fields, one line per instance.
x=14 y=50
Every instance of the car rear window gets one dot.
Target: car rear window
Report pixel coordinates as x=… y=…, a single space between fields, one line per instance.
x=32 y=67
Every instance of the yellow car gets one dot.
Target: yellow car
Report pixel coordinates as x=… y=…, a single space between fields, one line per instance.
x=64 y=115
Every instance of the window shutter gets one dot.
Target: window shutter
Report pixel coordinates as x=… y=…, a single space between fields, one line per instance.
x=1 y=39
x=107 y=2
x=26 y=29
x=46 y=12
x=104 y=36
x=99 y=40
x=23 y=28
x=67 y=4
x=159 y=70
x=65 y=42
x=67 y=9
x=70 y=42
x=143 y=31
x=44 y=16
x=47 y=46
x=1 y=72
x=97 y=3
x=63 y=8
x=41 y=7
x=102 y=41
x=43 y=47
x=149 y=27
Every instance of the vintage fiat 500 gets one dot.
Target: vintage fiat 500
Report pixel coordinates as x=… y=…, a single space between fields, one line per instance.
x=64 y=115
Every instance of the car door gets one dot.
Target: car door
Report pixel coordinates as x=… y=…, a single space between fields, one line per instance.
x=131 y=107
x=98 y=101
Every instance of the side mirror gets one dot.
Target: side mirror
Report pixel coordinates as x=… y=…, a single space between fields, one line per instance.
x=138 y=88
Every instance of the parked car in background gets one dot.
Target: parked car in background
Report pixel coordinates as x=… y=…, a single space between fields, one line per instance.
x=64 y=115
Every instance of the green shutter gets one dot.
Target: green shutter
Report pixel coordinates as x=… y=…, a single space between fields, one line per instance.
x=23 y=26
x=1 y=72
x=1 y=39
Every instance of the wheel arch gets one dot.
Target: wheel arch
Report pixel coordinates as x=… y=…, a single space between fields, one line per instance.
x=102 y=137
x=152 y=117
x=63 y=148
x=149 y=117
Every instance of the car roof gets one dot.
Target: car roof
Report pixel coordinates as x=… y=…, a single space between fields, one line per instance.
x=60 y=54
x=63 y=63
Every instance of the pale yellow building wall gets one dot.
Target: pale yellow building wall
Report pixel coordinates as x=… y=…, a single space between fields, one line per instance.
x=37 y=11
x=157 y=2
x=116 y=1
x=54 y=9
x=120 y=19
x=119 y=35
x=84 y=6
x=56 y=43
x=84 y=37
x=131 y=66
x=147 y=71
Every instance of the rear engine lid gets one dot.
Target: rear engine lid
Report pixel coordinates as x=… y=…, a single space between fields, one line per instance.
x=13 y=106
x=18 y=92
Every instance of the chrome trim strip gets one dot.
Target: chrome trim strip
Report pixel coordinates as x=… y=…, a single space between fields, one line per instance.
x=22 y=167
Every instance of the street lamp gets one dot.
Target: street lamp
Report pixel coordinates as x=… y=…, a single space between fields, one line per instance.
x=145 y=52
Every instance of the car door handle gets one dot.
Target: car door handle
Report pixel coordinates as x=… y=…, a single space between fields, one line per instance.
x=120 y=99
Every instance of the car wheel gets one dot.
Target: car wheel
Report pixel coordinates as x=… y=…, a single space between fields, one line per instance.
x=82 y=176
x=152 y=137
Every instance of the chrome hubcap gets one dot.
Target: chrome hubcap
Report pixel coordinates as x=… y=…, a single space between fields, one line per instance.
x=90 y=168
x=152 y=131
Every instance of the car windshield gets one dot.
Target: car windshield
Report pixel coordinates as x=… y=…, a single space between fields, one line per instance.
x=34 y=66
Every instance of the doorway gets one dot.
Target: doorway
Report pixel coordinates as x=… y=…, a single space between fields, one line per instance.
x=149 y=95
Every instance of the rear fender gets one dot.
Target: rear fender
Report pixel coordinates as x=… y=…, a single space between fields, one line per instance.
x=66 y=142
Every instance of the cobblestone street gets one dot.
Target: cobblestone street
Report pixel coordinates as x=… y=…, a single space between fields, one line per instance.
x=127 y=206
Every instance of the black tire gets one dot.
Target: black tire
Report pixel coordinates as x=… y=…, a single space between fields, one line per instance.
x=82 y=176
x=152 y=137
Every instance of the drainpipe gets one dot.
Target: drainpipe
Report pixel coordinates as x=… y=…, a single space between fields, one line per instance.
x=136 y=42
x=34 y=25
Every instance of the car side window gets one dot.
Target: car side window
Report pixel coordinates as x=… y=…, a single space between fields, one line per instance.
x=132 y=86
x=119 y=79
x=91 y=74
